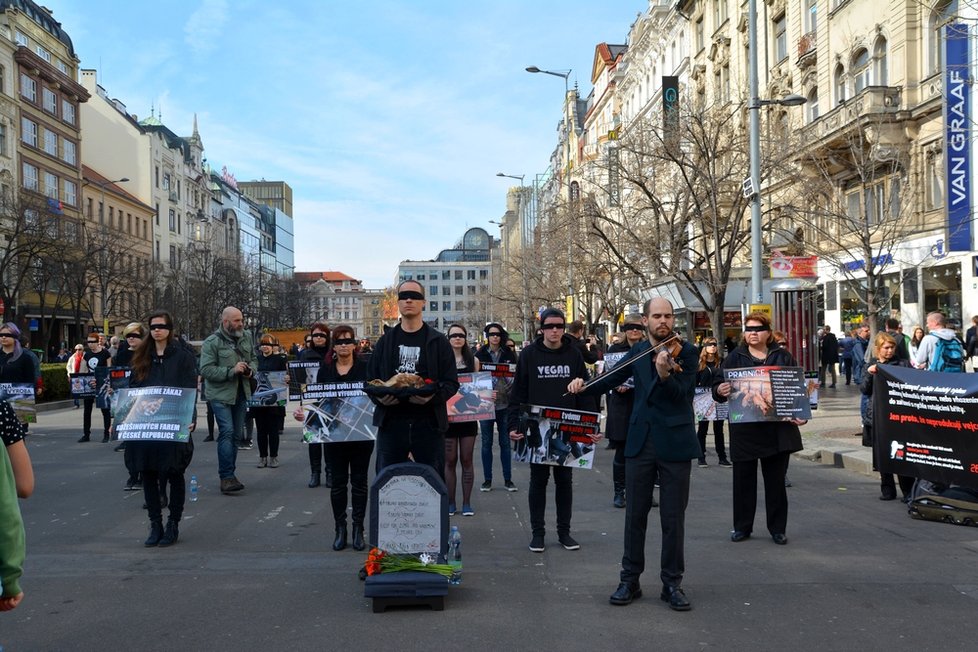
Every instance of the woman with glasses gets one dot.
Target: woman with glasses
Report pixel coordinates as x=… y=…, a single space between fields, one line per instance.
x=133 y=335
x=15 y=366
x=460 y=437
x=269 y=419
x=163 y=362
x=620 y=402
x=349 y=460
x=709 y=369
x=496 y=351
x=316 y=351
x=769 y=442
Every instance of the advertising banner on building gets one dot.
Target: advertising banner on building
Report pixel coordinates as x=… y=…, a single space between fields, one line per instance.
x=957 y=136
x=926 y=424
x=794 y=266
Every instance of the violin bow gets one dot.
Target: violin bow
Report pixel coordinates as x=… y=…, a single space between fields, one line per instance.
x=651 y=349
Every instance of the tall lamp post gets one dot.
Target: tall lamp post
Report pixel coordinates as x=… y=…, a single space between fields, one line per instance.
x=101 y=213
x=753 y=183
x=570 y=260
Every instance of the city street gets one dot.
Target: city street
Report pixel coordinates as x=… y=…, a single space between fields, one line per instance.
x=255 y=571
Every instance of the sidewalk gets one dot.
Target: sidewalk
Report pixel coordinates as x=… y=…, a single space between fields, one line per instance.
x=834 y=435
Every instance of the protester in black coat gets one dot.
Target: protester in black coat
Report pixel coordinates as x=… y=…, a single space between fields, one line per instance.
x=884 y=352
x=620 y=401
x=829 y=356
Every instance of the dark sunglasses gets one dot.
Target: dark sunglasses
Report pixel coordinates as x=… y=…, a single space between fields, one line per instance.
x=552 y=327
x=159 y=327
x=710 y=344
x=755 y=329
x=6 y=334
x=456 y=336
x=494 y=334
x=318 y=335
x=137 y=336
x=346 y=341
x=633 y=327
x=410 y=294
x=86 y=341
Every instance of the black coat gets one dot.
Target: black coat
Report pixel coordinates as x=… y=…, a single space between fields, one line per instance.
x=830 y=348
x=752 y=441
x=619 y=405
x=20 y=370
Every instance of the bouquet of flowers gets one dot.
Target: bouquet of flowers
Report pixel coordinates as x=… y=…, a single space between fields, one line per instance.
x=379 y=561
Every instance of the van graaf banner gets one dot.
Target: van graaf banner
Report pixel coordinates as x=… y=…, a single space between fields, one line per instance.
x=957 y=136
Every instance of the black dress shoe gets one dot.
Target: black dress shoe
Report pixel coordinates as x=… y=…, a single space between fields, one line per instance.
x=676 y=598
x=625 y=593
x=737 y=536
x=314 y=480
x=780 y=539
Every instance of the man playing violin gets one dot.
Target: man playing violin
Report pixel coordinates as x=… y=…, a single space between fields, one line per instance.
x=665 y=381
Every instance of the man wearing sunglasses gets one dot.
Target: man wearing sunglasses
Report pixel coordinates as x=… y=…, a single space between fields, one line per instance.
x=661 y=442
x=227 y=361
x=414 y=425
x=96 y=356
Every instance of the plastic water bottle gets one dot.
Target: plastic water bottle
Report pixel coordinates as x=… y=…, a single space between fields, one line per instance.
x=193 y=488
x=455 y=555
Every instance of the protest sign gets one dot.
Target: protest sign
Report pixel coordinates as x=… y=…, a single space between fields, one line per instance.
x=83 y=385
x=767 y=394
x=611 y=360
x=556 y=436
x=925 y=424
x=344 y=413
x=299 y=374
x=154 y=413
x=272 y=389
x=473 y=401
x=102 y=387
x=118 y=379
x=317 y=391
x=706 y=408
x=503 y=374
x=21 y=399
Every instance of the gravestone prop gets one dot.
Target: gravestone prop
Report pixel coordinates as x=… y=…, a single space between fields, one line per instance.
x=408 y=515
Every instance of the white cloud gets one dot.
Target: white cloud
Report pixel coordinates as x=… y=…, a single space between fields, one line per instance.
x=205 y=25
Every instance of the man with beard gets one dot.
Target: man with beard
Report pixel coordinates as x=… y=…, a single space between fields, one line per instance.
x=661 y=441
x=227 y=363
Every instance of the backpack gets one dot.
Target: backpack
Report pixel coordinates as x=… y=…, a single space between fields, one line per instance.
x=948 y=356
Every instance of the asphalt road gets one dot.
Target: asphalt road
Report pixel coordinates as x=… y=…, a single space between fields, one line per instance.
x=255 y=571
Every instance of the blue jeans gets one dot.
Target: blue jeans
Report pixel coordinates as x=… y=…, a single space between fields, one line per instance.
x=230 y=427
x=505 y=454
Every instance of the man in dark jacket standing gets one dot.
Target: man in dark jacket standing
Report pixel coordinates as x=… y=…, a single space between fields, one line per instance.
x=496 y=352
x=661 y=440
x=542 y=373
x=414 y=425
x=830 y=356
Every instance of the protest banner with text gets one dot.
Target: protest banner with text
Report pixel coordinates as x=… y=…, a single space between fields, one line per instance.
x=767 y=394
x=556 y=436
x=21 y=399
x=155 y=413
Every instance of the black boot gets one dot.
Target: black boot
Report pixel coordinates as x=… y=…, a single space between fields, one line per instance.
x=314 y=480
x=155 y=534
x=619 y=500
x=328 y=479
x=340 y=541
x=171 y=534
x=358 y=543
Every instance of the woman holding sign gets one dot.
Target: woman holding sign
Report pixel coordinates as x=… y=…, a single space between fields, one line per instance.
x=163 y=362
x=460 y=437
x=269 y=416
x=770 y=442
x=349 y=460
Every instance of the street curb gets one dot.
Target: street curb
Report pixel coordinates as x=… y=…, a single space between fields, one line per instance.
x=859 y=459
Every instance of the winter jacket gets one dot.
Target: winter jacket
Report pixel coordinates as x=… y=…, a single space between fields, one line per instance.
x=752 y=441
x=506 y=355
x=830 y=348
x=619 y=405
x=20 y=370
x=218 y=355
x=542 y=376
x=440 y=360
x=866 y=386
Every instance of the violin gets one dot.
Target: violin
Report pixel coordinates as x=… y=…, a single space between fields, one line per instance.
x=673 y=344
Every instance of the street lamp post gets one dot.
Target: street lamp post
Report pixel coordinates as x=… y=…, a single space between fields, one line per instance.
x=570 y=260
x=754 y=181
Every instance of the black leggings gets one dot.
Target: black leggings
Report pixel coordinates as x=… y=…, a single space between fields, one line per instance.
x=350 y=464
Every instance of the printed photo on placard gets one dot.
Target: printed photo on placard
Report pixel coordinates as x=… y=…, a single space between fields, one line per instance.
x=83 y=385
x=21 y=399
x=154 y=413
x=503 y=374
x=474 y=399
x=333 y=420
x=272 y=389
x=706 y=408
x=103 y=388
x=118 y=379
x=611 y=360
x=556 y=436
x=767 y=394
x=301 y=373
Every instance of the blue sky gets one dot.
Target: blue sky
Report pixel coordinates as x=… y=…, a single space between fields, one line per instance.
x=388 y=119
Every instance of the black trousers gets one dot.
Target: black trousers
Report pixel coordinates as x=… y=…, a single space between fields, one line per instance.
x=773 y=469
x=563 y=497
x=718 y=442
x=268 y=421
x=151 y=492
x=640 y=477
x=318 y=454
x=420 y=438
x=350 y=462
x=87 y=418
